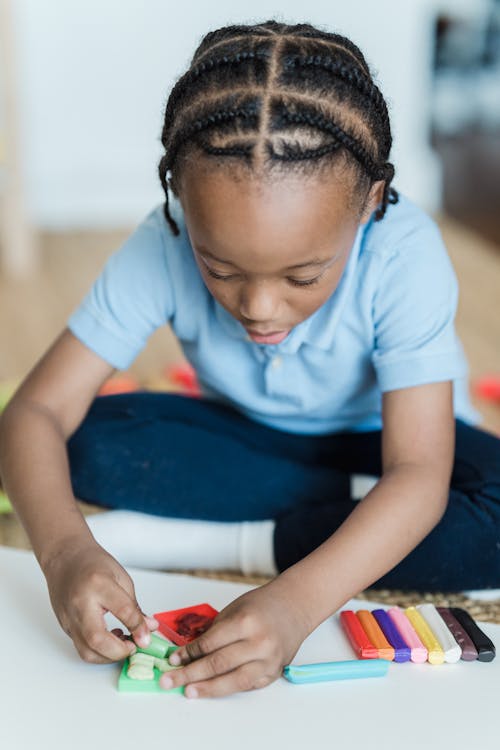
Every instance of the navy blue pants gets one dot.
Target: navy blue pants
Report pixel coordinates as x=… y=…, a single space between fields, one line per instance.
x=170 y=455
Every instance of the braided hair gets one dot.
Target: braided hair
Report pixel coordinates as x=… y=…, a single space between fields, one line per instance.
x=274 y=96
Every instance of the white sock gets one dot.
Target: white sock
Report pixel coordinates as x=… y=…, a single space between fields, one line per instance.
x=361 y=484
x=145 y=541
x=257 y=548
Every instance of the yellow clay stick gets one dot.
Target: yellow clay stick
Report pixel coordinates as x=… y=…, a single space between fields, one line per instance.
x=424 y=632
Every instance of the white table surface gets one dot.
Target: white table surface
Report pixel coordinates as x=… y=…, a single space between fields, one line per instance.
x=50 y=699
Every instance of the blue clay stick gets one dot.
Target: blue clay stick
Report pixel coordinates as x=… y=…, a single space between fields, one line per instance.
x=336 y=670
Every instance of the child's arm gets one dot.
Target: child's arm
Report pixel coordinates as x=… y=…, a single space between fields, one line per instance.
x=84 y=581
x=253 y=638
x=418 y=443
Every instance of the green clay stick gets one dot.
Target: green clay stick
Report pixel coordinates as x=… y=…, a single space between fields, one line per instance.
x=158 y=647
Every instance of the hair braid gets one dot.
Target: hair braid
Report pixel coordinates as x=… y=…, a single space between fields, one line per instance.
x=320 y=122
x=250 y=88
x=294 y=153
x=162 y=170
x=189 y=78
x=390 y=195
x=339 y=68
x=212 y=120
x=244 y=150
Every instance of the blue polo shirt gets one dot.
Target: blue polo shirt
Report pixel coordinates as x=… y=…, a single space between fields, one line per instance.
x=388 y=325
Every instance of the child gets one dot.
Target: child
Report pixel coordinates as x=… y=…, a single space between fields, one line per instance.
x=317 y=307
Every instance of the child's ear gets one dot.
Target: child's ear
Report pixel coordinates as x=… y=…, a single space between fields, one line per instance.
x=373 y=200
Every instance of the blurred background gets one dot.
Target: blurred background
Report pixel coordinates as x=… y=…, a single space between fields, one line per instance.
x=83 y=85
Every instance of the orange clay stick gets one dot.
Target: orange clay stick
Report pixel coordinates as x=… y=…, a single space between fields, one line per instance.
x=360 y=642
x=375 y=634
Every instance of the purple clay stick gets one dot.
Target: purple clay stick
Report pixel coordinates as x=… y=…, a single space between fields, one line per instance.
x=402 y=652
x=469 y=651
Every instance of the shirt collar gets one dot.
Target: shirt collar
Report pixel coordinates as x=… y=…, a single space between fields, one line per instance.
x=318 y=329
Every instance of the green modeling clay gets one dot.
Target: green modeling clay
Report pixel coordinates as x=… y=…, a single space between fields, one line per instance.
x=141 y=667
x=158 y=647
x=141 y=673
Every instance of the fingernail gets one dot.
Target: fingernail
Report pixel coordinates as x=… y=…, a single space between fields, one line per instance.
x=152 y=622
x=174 y=659
x=144 y=640
x=166 y=682
x=191 y=692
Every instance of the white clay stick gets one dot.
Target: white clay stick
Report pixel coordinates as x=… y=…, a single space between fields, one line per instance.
x=452 y=651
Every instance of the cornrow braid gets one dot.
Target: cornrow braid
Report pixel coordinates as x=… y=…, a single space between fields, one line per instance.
x=338 y=68
x=274 y=93
x=189 y=78
x=236 y=149
x=213 y=39
x=282 y=116
x=323 y=71
x=307 y=31
x=293 y=152
x=162 y=170
x=213 y=119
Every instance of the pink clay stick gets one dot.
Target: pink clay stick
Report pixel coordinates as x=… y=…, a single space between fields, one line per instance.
x=400 y=620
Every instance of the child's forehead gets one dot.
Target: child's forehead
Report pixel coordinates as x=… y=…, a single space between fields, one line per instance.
x=294 y=216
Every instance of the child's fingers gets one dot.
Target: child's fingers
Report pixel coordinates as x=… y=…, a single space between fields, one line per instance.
x=151 y=622
x=96 y=657
x=86 y=653
x=125 y=607
x=216 y=663
x=250 y=676
x=221 y=634
x=96 y=644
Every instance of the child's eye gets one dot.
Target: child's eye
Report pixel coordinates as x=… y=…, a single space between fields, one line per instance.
x=295 y=282
x=219 y=275
x=304 y=282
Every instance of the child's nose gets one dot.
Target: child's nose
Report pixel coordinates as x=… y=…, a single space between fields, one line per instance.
x=259 y=303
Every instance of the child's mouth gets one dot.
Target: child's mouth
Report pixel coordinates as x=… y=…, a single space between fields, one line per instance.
x=275 y=337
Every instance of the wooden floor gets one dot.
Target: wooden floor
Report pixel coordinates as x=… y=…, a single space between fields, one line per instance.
x=33 y=312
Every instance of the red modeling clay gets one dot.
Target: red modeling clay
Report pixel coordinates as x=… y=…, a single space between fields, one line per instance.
x=360 y=642
x=184 y=625
x=488 y=387
x=191 y=625
x=185 y=376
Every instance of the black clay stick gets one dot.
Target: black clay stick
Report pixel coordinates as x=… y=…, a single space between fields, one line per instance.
x=485 y=648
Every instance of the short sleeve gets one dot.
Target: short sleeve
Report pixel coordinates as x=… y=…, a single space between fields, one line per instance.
x=130 y=299
x=414 y=310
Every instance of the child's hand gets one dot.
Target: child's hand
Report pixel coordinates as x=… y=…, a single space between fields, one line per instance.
x=247 y=646
x=86 y=582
